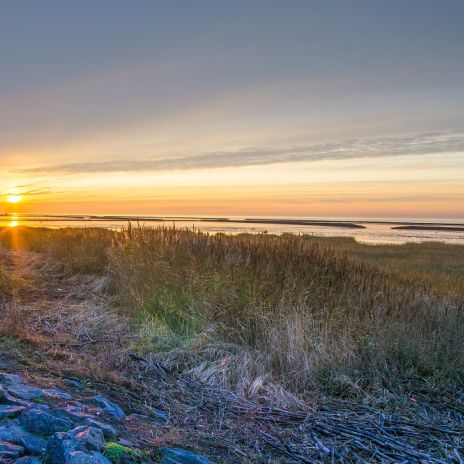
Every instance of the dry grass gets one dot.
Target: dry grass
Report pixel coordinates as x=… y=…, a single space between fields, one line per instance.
x=302 y=314
x=267 y=315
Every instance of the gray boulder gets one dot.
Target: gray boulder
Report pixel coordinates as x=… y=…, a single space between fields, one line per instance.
x=181 y=456
x=10 y=379
x=33 y=444
x=58 y=393
x=109 y=432
x=7 y=410
x=109 y=407
x=9 y=450
x=89 y=438
x=43 y=421
x=25 y=392
x=28 y=460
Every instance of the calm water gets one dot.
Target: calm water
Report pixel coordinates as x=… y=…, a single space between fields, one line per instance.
x=374 y=232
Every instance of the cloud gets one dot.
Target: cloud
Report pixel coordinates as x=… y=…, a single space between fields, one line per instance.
x=420 y=144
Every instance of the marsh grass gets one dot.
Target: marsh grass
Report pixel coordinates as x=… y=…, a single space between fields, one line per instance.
x=292 y=312
x=304 y=314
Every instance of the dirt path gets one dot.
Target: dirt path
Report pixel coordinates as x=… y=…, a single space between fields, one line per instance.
x=58 y=327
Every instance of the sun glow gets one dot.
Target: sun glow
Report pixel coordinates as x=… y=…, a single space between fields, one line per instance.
x=13 y=198
x=13 y=223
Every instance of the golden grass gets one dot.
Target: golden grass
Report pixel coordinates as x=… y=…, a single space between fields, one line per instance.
x=255 y=311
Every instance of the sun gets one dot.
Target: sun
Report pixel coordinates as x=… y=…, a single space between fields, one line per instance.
x=13 y=198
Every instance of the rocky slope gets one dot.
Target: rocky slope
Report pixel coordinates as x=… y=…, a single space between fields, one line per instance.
x=61 y=426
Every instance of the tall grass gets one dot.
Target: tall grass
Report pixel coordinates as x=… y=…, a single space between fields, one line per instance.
x=312 y=315
x=295 y=311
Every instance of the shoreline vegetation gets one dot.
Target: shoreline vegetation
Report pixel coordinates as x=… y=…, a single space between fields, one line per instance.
x=282 y=320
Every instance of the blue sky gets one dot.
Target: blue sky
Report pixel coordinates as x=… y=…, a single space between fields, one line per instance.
x=148 y=89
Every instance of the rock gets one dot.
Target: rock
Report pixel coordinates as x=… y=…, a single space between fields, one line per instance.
x=9 y=399
x=78 y=446
x=58 y=393
x=181 y=456
x=9 y=450
x=79 y=457
x=89 y=438
x=73 y=383
x=25 y=392
x=11 y=431
x=34 y=444
x=59 y=448
x=108 y=430
x=44 y=422
x=158 y=417
x=109 y=407
x=10 y=379
x=10 y=410
x=28 y=460
x=77 y=410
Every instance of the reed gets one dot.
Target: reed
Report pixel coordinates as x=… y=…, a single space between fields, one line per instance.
x=304 y=314
x=254 y=311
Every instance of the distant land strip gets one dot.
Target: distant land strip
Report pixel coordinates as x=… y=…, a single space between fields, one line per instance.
x=435 y=228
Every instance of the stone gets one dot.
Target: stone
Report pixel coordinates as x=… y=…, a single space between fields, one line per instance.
x=11 y=431
x=10 y=379
x=79 y=457
x=73 y=383
x=7 y=410
x=44 y=422
x=90 y=438
x=33 y=444
x=181 y=456
x=158 y=417
x=9 y=399
x=59 y=448
x=58 y=393
x=28 y=460
x=77 y=410
x=9 y=450
x=109 y=407
x=25 y=392
x=108 y=430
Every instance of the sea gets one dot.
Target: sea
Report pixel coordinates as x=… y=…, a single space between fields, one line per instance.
x=365 y=230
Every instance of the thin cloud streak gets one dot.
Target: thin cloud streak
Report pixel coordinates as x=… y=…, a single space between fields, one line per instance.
x=420 y=144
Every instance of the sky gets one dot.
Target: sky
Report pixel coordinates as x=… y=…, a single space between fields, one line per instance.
x=337 y=108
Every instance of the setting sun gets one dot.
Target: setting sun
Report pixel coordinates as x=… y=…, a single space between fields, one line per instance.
x=13 y=198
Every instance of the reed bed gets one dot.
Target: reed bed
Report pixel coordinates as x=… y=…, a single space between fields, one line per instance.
x=270 y=315
x=250 y=310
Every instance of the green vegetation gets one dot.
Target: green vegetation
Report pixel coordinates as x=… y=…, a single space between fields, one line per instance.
x=117 y=453
x=302 y=312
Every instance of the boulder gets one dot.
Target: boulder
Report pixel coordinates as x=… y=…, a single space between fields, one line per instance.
x=28 y=460
x=89 y=438
x=7 y=410
x=11 y=431
x=25 y=392
x=9 y=450
x=33 y=444
x=58 y=393
x=43 y=421
x=109 y=432
x=181 y=456
x=10 y=379
x=109 y=407
x=59 y=448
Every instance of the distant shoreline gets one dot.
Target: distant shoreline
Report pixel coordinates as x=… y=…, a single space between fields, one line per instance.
x=350 y=224
x=431 y=228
